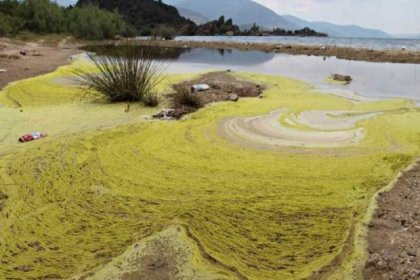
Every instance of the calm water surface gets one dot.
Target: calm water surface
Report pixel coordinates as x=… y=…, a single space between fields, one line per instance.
x=370 y=43
x=370 y=80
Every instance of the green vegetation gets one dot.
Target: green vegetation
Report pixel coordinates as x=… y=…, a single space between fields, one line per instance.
x=45 y=17
x=151 y=99
x=217 y=27
x=81 y=197
x=164 y=31
x=184 y=96
x=144 y=15
x=124 y=75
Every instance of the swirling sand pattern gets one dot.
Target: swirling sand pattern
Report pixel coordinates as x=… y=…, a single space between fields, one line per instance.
x=315 y=129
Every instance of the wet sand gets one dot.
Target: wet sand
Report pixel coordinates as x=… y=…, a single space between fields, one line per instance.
x=394 y=56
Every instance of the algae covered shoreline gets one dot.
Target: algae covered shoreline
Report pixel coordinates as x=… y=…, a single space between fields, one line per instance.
x=105 y=180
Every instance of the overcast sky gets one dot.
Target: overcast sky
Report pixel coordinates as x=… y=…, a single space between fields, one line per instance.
x=392 y=16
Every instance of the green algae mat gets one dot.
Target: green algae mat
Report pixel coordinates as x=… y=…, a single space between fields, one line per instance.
x=210 y=192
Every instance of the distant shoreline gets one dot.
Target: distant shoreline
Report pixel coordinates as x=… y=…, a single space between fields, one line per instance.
x=347 y=53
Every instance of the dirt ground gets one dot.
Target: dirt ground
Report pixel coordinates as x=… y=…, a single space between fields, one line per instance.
x=223 y=87
x=396 y=56
x=24 y=60
x=394 y=232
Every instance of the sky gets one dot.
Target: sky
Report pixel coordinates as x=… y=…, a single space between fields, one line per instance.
x=392 y=16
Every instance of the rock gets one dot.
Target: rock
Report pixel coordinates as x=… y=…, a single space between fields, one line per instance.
x=166 y=114
x=341 y=78
x=3 y=70
x=411 y=253
x=233 y=97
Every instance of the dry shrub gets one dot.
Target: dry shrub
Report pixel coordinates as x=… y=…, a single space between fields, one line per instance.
x=184 y=96
x=151 y=99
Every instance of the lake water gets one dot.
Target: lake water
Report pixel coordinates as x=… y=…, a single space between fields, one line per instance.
x=370 y=80
x=378 y=44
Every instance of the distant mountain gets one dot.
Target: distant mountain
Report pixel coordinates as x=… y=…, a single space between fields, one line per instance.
x=242 y=12
x=195 y=17
x=245 y=12
x=335 y=30
x=142 y=13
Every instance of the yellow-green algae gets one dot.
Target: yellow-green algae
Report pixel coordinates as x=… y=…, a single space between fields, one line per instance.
x=80 y=199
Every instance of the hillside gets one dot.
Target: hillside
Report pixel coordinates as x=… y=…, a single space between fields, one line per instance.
x=242 y=12
x=142 y=13
x=246 y=12
x=338 y=30
x=195 y=17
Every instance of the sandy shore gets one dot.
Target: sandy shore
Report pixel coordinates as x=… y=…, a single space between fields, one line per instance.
x=395 y=56
x=24 y=60
x=394 y=232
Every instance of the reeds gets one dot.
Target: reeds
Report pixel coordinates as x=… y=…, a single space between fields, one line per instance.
x=124 y=74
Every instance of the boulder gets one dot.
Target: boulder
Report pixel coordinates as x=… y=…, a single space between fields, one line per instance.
x=341 y=78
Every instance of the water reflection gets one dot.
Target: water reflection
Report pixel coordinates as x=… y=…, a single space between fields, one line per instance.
x=371 y=80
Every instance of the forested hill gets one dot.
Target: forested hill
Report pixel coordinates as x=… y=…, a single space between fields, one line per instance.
x=142 y=13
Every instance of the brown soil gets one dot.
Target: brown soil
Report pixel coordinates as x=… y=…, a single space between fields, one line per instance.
x=394 y=232
x=161 y=263
x=24 y=60
x=396 y=56
x=223 y=87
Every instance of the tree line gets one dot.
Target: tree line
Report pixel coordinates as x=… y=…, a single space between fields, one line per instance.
x=104 y=19
x=45 y=17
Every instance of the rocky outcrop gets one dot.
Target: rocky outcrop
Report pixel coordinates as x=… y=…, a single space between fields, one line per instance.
x=217 y=27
